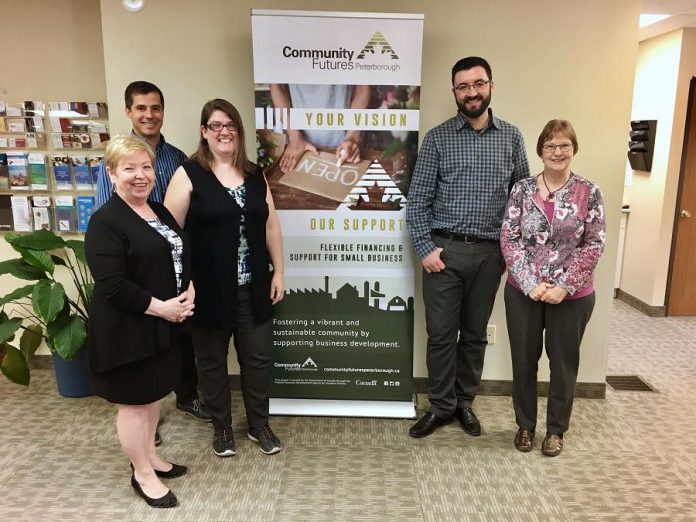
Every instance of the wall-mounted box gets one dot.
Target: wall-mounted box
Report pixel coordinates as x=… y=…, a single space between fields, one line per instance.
x=642 y=144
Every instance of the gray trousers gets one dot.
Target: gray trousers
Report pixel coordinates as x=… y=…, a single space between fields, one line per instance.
x=564 y=325
x=252 y=344
x=458 y=303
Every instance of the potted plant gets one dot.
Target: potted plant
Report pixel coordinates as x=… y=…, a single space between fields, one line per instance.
x=44 y=310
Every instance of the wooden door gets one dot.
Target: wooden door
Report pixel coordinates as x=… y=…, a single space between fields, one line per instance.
x=681 y=287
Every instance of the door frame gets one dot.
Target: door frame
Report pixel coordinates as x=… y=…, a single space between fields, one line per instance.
x=682 y=167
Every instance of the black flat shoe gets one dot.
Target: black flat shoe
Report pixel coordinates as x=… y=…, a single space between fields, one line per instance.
x=176 y=471
x=167 y=501
x=427 y=424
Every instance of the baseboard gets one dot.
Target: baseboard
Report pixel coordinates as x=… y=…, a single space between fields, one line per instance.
x=583 y=390
x=649 y=310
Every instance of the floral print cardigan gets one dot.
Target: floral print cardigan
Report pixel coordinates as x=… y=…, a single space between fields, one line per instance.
x=564 y=252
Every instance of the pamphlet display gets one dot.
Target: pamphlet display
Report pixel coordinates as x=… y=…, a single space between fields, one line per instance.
x=39 y=143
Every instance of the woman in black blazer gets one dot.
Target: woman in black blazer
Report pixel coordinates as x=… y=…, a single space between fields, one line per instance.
x=139 y=258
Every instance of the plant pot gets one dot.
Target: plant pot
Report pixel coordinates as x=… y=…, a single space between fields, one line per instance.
x=73 y=377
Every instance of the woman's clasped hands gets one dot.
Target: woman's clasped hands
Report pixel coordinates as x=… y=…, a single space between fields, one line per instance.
x=548 y=293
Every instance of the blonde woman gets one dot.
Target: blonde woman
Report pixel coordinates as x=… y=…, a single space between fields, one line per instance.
x=139 y=258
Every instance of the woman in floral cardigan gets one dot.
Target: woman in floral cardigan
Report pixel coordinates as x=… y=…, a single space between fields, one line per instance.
x=552 y=237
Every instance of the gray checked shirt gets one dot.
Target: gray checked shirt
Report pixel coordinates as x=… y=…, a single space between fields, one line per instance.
x=462 y=180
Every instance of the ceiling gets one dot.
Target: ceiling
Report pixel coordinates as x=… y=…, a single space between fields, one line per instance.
x=683 y=15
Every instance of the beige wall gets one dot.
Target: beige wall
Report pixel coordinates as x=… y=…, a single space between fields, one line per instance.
x=665 y=66
x=52 y=51
x=575 y=60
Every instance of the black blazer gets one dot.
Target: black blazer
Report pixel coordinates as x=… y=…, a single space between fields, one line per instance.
x=131 y=263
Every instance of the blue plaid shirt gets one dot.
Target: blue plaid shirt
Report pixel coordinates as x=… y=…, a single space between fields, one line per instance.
x=167 y=159
x=462 y=180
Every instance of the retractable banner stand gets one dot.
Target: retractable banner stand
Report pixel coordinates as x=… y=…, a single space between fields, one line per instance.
x=337 y=106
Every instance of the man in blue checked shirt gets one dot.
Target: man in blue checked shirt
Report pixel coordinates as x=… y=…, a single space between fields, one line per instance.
x=465 y=170
x=145 y=109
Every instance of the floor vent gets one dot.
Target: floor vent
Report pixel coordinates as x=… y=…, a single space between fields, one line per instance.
x=628 y=383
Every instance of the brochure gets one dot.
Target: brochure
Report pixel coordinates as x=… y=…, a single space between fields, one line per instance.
x=65 y=214
x=61 y=172
x=41 y=212
x=37 y=172
x=17 y=166
x=80 y=171
x=85 y=209
x=4 y=173
x=20 y=213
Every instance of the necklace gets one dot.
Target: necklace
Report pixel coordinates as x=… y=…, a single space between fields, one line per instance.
x=552 y=193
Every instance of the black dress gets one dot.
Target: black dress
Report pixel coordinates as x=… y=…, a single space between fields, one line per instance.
x=135 y=358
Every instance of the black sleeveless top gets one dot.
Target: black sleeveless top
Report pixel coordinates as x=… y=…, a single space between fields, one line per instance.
x=212 y=224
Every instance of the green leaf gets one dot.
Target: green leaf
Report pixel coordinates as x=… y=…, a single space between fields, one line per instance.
x=67 y=334
x=48 y=299
x=21 y=269
x=38 y=258
x=8 y=328
x=14 y=366
x=39 y=240
x=58 y=260
x=16 y=294
x=78 y=247
x=30 y=340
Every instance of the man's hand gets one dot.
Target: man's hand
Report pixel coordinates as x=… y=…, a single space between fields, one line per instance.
x=297 y=146
x=433 y=263
x=540 y=291
x=554 y=295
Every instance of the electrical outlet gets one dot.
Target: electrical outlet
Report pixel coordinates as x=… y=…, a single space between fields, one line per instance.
x=490 y=334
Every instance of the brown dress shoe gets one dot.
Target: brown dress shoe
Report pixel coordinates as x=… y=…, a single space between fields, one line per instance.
x=524 y=440
x=552 y=445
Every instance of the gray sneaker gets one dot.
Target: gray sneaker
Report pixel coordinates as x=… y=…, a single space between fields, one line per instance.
x=223 y=443
x=196 y=409
x=266 y=439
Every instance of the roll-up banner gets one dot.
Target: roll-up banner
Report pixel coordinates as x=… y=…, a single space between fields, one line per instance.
x=337 y=106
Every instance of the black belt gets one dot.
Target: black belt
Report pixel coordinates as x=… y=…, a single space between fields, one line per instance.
x=459 y=237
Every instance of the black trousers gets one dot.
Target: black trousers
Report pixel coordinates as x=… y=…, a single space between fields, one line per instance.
x=531 y=325
x=187 y=389
x=251 y=342
x=458 y=303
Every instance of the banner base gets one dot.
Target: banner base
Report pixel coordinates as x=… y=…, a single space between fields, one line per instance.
x=340 y=408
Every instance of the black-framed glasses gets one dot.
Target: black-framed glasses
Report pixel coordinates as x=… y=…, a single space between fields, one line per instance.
x=216 y=126
x=478 y=85
x=550 y=148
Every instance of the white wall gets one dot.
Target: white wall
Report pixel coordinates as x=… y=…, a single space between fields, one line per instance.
x=665 y=66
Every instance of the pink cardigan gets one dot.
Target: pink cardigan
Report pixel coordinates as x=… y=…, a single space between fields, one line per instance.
x=563 y=252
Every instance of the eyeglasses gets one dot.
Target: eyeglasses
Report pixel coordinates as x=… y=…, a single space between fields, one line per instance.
x=216 y=126
x=549 y=148
x=477 y=85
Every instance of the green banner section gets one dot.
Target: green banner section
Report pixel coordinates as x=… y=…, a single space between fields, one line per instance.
x=357 y=351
